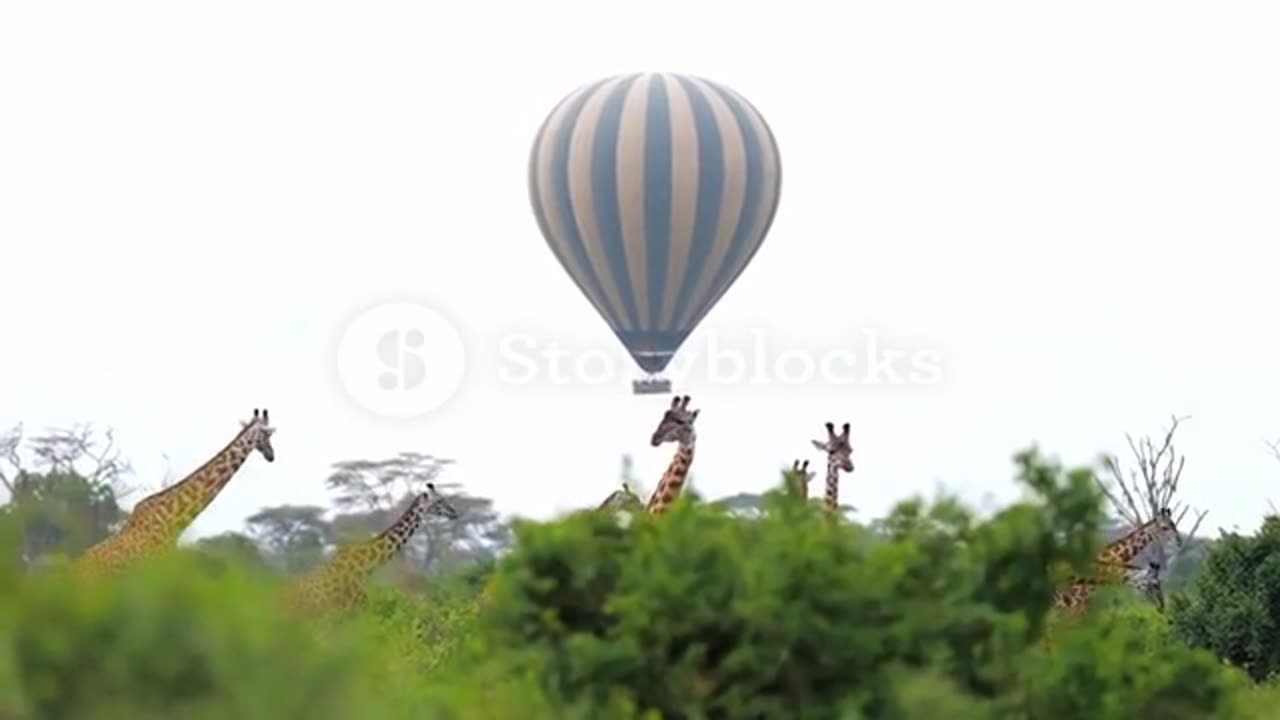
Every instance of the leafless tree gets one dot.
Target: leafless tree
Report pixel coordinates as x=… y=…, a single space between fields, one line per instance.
x=64 y=484
x=78 y=450
x=1139 y=495
x=381 y=484
x=1274 y=447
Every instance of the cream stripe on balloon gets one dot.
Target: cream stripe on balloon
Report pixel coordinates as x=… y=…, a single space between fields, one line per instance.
x=630 y=175
x=684 y=193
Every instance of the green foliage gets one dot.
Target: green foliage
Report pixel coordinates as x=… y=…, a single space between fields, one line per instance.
x=1233 y=605
x=700 y=613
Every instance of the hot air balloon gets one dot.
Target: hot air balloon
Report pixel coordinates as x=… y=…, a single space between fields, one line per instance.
x=654 y=191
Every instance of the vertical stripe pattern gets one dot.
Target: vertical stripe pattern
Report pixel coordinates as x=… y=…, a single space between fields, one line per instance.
x=654 y=192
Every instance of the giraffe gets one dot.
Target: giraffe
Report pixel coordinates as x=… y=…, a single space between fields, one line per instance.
x=1146 y=580
x=797 y=480
x=158 y=519
x=676 y=426
x=624 y=499
x=1118 y=556
x=338 y=584
x=839 y=458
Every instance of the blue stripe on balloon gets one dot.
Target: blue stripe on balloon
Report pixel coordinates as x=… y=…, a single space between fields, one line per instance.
x=658 y=178
x=560 y=190
x=664 y=343
x=536 y=199
x=745 y=235
x=604 y=194
x=710 y=195
x=770 y=146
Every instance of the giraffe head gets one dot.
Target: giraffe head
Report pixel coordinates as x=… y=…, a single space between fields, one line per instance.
x=839 y=451
x=799 y=477
x=258 y=432
x=677 y=423
x=1164 y=527
x=433 y=503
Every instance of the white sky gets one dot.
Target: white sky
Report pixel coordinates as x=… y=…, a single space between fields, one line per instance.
x=1074 y=206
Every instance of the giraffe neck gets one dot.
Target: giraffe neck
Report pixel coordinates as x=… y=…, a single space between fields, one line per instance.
x=798 y=485
x=362 y=559
x=173 y=509
x=1123 y=550
x=674 y=478
x=832 y=497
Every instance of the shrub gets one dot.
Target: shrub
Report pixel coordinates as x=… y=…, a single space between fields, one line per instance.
x=1232 y=607
x=695 y=614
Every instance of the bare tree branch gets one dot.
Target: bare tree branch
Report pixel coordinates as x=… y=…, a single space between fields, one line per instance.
x=10 y=441
x=1139 y=495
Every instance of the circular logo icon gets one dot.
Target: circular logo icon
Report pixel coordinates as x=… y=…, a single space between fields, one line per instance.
x=401 y=360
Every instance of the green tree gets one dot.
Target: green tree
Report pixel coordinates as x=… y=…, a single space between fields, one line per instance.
x=291 y=537
x=701 y=613
x=370 y=494
x=62 y=488
x=1232 y=607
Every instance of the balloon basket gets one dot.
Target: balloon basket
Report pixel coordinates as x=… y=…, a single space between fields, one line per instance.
x=651 y=386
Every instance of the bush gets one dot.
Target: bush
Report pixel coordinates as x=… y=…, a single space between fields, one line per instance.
x=697 y=614
x=1233 y=606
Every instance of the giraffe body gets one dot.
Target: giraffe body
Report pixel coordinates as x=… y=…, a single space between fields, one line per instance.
x=839 y=459
x=1118 y=556
x=159 y=519
x=676 y=426
x=339 y=584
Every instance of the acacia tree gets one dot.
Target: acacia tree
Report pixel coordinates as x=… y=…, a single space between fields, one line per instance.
x=370 y=494
x=1138 y=495
x=291 y=537
x=63 y=486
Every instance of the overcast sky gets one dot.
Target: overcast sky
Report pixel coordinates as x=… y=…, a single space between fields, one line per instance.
x=1068 y=212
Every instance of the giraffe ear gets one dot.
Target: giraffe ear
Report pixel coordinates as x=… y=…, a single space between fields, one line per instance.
x=694 y=415
x=820 y=445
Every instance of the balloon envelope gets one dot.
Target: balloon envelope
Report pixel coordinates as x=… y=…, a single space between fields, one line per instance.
x=654 y=191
